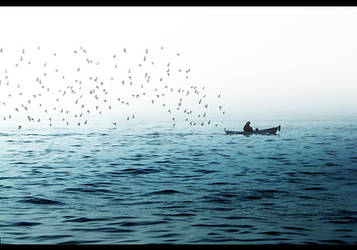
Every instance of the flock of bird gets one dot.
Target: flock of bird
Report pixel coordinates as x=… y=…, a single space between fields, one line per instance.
x=69 y=94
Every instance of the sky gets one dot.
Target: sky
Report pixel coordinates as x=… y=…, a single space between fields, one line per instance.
x=266 y=62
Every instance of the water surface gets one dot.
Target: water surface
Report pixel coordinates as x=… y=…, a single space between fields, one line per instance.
x=152 y=183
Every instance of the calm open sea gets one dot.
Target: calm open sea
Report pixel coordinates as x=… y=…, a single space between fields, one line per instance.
x=153 y=183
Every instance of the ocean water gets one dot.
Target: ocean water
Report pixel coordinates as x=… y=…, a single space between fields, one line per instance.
x=153 y=183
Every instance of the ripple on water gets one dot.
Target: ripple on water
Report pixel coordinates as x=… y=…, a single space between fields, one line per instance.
x=332 y=164
x=85 y=219
x=51 y=237
x=142 y=223
x=218 y=183
x=76 y=242
x=343 y=220
x=205 y=171
x=296 y=228
x=314 y=189
x=134 y=171
x=23 y=163
x=88 y=190
x=40 y=201
x=25 y=224
x=312 y=173
x=176 y=214
x=164 y=192
x=333 y=241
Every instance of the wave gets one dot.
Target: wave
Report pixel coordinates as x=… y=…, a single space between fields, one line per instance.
x=164 y=192
x=41 y=201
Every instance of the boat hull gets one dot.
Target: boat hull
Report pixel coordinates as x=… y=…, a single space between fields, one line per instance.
x=269 y=131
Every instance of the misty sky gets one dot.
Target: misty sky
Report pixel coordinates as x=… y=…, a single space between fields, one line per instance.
x=266 y=62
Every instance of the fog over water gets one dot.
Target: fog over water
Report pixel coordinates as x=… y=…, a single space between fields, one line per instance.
x=267 y=63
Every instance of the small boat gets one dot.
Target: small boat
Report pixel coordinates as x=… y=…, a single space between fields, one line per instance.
x=268 y=131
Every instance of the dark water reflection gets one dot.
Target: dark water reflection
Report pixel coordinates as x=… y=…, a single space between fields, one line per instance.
x=175 y=185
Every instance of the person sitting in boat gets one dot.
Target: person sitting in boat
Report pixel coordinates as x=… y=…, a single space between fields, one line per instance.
x=247 y=127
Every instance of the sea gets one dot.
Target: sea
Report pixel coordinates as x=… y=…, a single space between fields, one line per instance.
x=152 y=183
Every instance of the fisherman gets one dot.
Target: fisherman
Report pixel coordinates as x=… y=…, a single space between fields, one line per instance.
x=247 y=127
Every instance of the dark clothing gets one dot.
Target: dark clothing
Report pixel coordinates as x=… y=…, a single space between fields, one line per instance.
x=247 y=128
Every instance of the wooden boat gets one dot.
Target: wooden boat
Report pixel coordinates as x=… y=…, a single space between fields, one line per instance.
x=268 y=131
